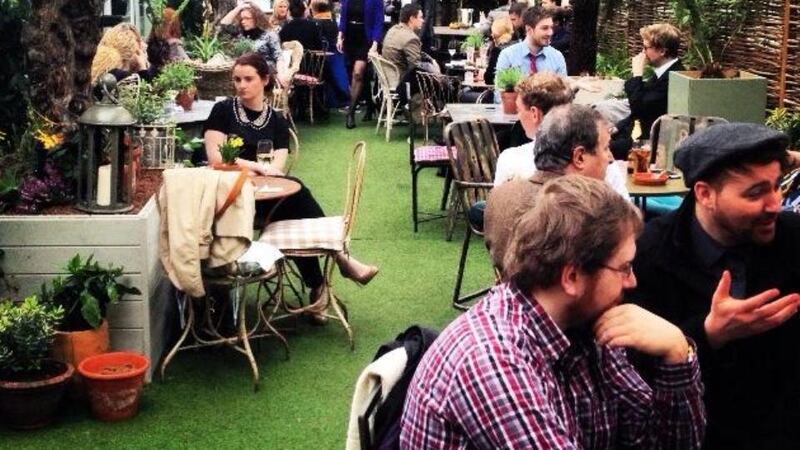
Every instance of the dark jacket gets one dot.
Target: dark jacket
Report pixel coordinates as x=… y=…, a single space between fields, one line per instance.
x=305 y=31
x=373 y=20
x=648 y=99
x=752 y=384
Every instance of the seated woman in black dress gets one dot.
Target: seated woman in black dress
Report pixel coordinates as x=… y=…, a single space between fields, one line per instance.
x=249 y=116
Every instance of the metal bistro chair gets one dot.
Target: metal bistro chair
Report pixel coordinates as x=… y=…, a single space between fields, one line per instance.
x=388 y=78
x=234 y=278
x=281 y=94
x=437 y=91
x=473 y=158
x=669 y=130
x=294 y=152
x=324 y=237
x=310 y=76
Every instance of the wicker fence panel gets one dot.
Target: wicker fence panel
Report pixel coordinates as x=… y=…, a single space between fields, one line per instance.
x=759 y=48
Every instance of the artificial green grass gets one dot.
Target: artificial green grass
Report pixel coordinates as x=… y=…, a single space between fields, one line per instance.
x=207 y=400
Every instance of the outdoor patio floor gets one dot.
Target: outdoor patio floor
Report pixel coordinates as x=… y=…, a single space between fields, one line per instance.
x=207 y=400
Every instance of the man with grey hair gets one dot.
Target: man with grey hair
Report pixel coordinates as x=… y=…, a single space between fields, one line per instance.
x=572 y=139
x=541 y=361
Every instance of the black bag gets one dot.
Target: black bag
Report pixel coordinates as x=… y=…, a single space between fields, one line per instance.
x=387 y=412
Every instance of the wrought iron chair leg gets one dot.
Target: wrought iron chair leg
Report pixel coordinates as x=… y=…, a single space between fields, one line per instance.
x=414 y=204
x=460 y=274
x=189 y=308
x=311 y=104
x=448 y=182
x=243 y=335
x=452 y=215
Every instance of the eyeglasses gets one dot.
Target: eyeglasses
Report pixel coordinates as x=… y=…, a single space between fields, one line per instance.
x=626 y=270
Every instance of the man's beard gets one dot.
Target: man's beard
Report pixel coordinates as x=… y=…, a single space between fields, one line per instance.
x=749 y=234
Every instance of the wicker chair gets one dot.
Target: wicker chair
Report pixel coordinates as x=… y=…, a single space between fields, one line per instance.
x=309 y=76
x=282 y=93
x=336 y=238
x=294 y=152
x=388 y=78
x=473 y=154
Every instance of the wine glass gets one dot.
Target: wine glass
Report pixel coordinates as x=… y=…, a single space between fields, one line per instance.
x=264 y=152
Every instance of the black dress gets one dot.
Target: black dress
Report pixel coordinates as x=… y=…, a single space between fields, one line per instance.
x=302 y=205
x=356 y=44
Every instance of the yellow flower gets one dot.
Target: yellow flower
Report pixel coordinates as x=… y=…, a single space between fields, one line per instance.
x=236 y=142
x=49 y=140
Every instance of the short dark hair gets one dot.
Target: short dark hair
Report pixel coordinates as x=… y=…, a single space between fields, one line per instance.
x=536 y=14
x=320 y=6
x=409 y=11
x=563 y=129
x=255 y=61
x=576 y=220
x=297 y=8
x=518 y=9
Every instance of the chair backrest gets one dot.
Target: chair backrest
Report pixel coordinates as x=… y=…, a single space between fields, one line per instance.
x=296 y=49
x=488 y=93
x=669 y=130
x=472 y=147
x=313 y=64
x=294 y=152
x=355 y=181
x=437 y=90
x=387 y=71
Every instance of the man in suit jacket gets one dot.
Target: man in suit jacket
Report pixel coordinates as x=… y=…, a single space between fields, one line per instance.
x=648 y=99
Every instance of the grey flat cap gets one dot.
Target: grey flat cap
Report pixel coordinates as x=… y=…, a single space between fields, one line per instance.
x=720 y=144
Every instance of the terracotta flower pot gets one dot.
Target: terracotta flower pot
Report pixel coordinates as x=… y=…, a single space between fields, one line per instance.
x=185 y=98
x=114 y=382
x=509 y=101
x=25 y=405
x=74 y=346
x=226 y=167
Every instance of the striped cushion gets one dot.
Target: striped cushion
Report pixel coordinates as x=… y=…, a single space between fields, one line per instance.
x=431 y=153
x=306 y=234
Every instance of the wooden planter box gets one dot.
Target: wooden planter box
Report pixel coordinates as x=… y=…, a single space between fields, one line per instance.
x=38 y=247
x=742 y=99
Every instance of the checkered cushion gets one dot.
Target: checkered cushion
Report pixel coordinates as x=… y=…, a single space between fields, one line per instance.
x=306 y=234
x=303 y=79
x=431 y=153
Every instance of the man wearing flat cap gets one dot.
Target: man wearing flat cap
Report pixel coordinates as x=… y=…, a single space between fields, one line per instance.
x=725 y=267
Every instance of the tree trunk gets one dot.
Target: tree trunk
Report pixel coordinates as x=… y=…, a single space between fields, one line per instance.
x=583 y=44
x=61 y=40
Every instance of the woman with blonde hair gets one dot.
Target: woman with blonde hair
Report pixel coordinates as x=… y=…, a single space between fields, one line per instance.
x=248 y=21
x=502 y=34
x=120 y=52
x=280 y=14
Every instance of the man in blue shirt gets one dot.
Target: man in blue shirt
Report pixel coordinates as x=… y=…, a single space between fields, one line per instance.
x=534 y=53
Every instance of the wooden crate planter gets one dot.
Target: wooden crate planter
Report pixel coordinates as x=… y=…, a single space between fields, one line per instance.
x=742 y=99
x=37 y=247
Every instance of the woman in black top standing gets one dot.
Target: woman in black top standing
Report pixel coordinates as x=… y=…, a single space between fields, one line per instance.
x=360 y=30
x=249 y=116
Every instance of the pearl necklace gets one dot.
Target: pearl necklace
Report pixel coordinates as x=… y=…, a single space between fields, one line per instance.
x=241 y=116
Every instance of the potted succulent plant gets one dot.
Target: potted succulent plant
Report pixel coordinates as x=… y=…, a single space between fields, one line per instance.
x=229 y=150
x=31 y=385
x=179 y=77
x=735 y=95
x=84 y=296
x=506 y=80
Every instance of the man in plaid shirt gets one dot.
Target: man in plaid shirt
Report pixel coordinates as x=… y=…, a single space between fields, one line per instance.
x=541 y=361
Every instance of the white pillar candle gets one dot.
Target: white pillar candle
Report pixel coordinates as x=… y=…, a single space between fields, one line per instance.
x=104 y=185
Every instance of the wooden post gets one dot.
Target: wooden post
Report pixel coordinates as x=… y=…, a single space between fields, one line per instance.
x=784 y=53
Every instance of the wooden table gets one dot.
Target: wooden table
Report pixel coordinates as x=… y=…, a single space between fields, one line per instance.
x=640 y=193
x=463 y=112
x=592 y=89
x=283 y=187
x=191 y=122
x=447 y=31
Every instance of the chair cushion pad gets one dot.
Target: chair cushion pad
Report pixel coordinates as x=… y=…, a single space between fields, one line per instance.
x=303 y=79
x=431 y=153
x=306 y=234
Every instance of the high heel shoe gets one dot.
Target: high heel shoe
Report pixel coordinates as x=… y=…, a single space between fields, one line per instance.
x=350 y=122
x=357 y=271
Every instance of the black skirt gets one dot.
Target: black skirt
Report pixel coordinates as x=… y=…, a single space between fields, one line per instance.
x=356 y=45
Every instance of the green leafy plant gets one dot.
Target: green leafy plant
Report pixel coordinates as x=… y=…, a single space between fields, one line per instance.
x=474 y=40
x=506 y=79
x=143 y=100
x=616 y=64
x=711 y=26
x=27 y=330
x=240 y=46
x=204 y=46
x=784 y=120
x=186 y=146
x=231 y=148
x=176 y=76
x=86 y=293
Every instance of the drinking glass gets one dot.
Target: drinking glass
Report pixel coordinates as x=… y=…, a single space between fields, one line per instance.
x=264 y=153
x=452 y=46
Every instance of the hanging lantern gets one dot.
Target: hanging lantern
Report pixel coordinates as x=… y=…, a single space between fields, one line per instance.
x=105 y=170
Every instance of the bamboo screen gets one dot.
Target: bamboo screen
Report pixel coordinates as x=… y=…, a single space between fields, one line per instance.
x=769 y=46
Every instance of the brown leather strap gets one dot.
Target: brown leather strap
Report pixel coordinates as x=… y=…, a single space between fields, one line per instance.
x=237 y=188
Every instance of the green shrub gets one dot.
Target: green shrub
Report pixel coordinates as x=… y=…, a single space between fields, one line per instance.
x=26 y=334
x=506 y=79
x=784 y=120
x=176 y=76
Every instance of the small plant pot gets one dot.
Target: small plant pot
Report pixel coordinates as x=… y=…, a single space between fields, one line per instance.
x=226 y=167
x=509 y=101
x=185 y=98
x=72 y=347
x=114 y=382
x=26 y=405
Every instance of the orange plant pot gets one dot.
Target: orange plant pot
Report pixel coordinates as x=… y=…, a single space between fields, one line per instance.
x=75 y=346
x=185 y=98
x=114 y=382
x=226 y=167
x=509 y=101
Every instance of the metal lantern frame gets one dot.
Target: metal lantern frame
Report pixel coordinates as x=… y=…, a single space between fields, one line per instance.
x=158 y=144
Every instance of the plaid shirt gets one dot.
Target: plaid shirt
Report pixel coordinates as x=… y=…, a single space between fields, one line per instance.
x=503 y=375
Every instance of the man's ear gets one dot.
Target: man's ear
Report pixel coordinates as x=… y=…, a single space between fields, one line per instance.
x=705 y=194
x=538 y=115
x=579 y=157
x=571 y=280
